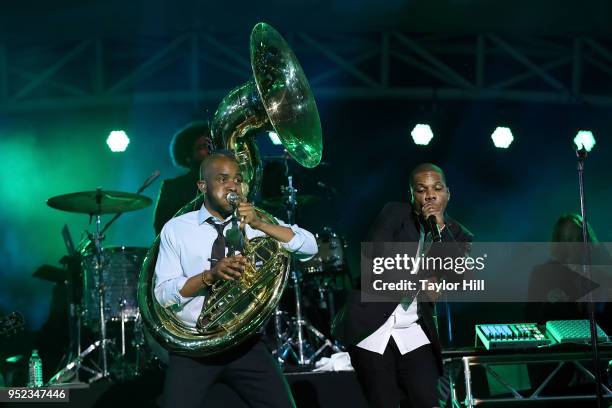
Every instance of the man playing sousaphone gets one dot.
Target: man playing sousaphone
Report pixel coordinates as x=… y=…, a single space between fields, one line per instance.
x=192 y=257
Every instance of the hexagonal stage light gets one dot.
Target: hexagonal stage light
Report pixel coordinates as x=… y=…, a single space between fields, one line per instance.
x=584 y=138
x=117 y=141
x=422 y=134
x=502 y=137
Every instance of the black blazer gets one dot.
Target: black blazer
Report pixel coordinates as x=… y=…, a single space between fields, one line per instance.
x=173 y=195
x=357 y=320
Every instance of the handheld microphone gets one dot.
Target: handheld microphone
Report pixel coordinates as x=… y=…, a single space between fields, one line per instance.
x=433 y=228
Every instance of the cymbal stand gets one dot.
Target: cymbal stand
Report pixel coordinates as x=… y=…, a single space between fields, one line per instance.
x=97 y=239
x=76 y=363
x=138 y=342
x=326 y=297
x=284 y=340
x=74 y=356
x=299 y=322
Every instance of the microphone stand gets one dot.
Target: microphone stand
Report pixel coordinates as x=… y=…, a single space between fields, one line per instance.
x=146 y=184
x=586 y=270
x=434 y=230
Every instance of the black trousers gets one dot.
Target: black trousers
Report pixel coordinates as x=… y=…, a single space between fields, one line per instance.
x=382 y=376
x=250 y=370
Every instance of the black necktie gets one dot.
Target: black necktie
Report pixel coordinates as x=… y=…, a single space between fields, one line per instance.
x=218 y=247
x=216 y=254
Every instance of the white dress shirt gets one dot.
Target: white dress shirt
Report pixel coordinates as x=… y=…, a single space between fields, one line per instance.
x=402 y=325
x=185 y=249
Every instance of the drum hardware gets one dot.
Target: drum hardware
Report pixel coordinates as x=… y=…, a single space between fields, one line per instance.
x=52 y=273
x=123 y=303
x=99 y=202
x=96 y=203
x=275 y=173
x=326 y=297
x=330 y=258
x=294 y=338
x=99 y=258
x=143 y=200
x=325 y=274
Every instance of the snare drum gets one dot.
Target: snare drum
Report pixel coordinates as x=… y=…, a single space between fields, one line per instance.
x=120 y=269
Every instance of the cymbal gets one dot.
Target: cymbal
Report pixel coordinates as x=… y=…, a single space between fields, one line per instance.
x=281 y=201
x=99 y=202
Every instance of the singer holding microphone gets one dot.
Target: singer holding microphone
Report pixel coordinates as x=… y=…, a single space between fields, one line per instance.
x=394 y=346
x=193 y=254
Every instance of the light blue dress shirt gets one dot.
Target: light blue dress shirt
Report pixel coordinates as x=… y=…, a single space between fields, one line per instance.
x=185 y=249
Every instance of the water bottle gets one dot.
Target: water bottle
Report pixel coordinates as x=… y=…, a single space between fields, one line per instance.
x=35 y=375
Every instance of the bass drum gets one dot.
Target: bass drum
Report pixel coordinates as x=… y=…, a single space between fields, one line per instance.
x=119 y=269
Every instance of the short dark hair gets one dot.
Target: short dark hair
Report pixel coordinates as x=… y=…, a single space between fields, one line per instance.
x=181 y=147
x=217 y=154
x=423 y=167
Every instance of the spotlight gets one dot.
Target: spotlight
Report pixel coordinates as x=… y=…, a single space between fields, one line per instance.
x=274 y=138
x=584 y=139
x=502 y=137
x=421 y=134
x=117 y=141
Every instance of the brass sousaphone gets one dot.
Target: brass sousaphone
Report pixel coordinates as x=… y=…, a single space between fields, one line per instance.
x=278 y=98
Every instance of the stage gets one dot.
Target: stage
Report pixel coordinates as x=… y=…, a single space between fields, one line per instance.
x=424 y=185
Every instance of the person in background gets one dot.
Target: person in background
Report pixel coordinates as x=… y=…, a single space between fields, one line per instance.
x=188 y=148
x=557 y=290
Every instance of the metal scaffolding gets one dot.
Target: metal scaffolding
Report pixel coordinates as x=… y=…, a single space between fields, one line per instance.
x=198 y=67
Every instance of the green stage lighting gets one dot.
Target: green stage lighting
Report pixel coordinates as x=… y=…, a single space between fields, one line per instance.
x=422 y=134
x=14 y=359
x=118 y=141
x=584 y=139
x=502 y=137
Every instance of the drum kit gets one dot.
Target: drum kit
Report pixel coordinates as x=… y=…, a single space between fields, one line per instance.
x=106 y=282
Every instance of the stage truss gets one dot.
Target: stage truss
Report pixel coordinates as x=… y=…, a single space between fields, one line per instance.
x=199 y=67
